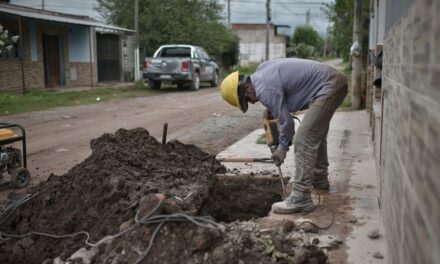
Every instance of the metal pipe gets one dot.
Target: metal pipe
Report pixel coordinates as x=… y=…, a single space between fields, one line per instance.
x=21 y=55
x=91 y=57
x=164 y=134
x=245 y=159
x=282 y=182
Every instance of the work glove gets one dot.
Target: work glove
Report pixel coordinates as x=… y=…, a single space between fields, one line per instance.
x=278 y=156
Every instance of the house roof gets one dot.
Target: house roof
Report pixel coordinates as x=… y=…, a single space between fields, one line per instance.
x=56 y=17
x=237 y=26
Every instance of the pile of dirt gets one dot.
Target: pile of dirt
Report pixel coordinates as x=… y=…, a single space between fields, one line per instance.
x=122 y=176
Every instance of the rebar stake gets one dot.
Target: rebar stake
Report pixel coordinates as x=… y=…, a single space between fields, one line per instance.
x=164 y=134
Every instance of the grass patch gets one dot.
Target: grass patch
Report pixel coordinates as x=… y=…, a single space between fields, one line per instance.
x=248 y=70
x=261 y=139
x=324 y=59
x=243 y=70
x=346 y=104
x=346 y=68
x=38 y=100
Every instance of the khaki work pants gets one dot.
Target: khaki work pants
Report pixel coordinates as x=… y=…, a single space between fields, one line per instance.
x=310 y=143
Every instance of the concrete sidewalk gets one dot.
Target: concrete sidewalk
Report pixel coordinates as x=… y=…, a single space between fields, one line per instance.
x=354 y=189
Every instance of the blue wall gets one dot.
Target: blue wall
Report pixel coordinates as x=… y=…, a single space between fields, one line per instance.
x=79 y=43
x=33 y=40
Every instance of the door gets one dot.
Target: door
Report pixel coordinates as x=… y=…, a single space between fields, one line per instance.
x=51 y=54
x=109 y=58
x=203 y=62
x=208 y=69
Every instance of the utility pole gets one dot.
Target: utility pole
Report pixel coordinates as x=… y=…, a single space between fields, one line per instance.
x=308 y=17
x=229 y=13
x=267 y=29
x=42 y=4
x=136 y=49
x=357 y=60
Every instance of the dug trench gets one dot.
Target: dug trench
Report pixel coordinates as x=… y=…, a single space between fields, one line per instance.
x=143 y=202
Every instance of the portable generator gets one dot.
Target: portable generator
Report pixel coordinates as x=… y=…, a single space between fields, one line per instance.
x=12 y=159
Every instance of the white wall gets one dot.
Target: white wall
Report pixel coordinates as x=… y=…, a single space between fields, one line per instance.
x=253 y=46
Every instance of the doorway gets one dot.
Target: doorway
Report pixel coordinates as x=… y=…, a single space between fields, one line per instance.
x=109 y=54
x=51 y=55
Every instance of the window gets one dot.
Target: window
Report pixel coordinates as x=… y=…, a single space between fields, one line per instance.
x=203 y=54
x=176 y=52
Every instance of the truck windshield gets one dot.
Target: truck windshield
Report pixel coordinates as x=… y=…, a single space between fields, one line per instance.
x=175 y=52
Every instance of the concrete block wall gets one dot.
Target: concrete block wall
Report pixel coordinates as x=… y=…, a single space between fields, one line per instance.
x=410 y=151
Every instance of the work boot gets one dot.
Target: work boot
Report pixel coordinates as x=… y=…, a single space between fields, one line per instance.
x=320 y=180
x=293 y=204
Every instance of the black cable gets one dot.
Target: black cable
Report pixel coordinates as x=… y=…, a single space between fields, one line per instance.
x=323 y=206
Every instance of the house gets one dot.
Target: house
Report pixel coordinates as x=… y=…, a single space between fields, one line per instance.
x=405 y=125
x=253 y=42
x=57 y=50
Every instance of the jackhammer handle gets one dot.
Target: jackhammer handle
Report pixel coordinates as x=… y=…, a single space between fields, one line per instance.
x=244 y=159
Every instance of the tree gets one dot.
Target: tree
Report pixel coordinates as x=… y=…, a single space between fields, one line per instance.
x=340 y=13
x=8 y=44
x=196 y=22
x=305 y=43
x=307 y=35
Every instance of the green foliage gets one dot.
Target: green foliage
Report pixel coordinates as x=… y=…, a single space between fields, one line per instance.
x=139 y=85
x=261 y=139
x=248 y=70
x=301 y=50
x=270 y=250
x=196 y=22
x=306 y=43
x=37 y=100
x=346 y=104
x=307 y=35
x=7 y=42
x=229 y=56
x=341 y=15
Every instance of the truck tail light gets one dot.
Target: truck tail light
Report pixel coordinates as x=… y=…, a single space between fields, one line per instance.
x=185 y=66
x=145 y=65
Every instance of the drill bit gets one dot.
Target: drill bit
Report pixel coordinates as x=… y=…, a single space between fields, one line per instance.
x=282 y=182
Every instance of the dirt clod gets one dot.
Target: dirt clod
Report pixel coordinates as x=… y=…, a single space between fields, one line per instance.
x=308 y=227
x=373 y=234
x=130 y=173
x=377 y=255
x=286 y=226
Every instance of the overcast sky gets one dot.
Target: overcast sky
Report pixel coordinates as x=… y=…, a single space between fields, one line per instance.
x=284 y=12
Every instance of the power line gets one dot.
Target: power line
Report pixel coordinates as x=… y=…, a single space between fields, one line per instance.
x=281 y=2
x=278 y=13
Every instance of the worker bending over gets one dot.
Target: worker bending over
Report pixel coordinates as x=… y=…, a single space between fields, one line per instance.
x=289 y=85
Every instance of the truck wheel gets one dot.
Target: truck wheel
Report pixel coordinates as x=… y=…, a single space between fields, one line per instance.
x=155 y=85
x=214 y=81
x=20 y=177
x=195 y=84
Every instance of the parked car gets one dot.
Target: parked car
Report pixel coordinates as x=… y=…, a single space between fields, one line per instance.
x=184 y=65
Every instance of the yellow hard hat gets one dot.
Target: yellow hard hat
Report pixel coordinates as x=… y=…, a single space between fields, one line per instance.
x=231 y=93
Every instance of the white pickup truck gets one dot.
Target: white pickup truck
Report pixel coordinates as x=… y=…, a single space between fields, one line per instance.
x=182 y=65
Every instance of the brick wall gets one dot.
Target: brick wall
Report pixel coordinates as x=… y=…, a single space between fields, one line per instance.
x=83 y=73
x=11 y=73
x=409 y=161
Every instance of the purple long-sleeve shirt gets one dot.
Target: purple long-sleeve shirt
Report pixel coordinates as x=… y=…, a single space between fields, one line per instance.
x=289 y=85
